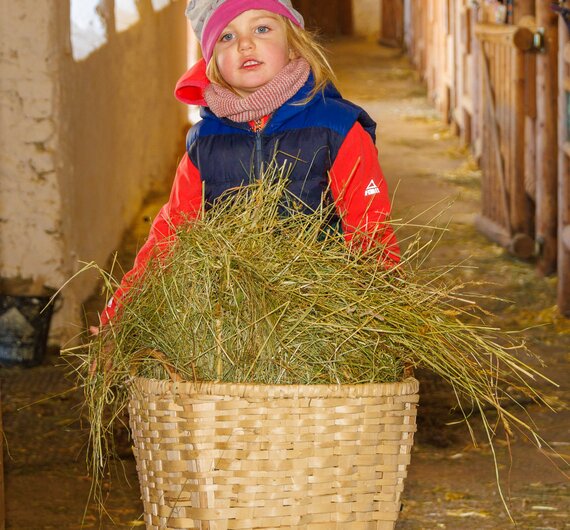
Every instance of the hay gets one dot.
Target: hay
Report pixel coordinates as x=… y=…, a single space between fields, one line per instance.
x=247 y=294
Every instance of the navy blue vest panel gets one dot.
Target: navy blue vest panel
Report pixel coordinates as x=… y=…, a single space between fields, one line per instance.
x=229 y=154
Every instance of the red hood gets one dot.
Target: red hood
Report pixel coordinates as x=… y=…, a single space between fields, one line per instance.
x=190 y=87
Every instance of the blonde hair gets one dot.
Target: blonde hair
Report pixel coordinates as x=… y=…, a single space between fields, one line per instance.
x=304 y=44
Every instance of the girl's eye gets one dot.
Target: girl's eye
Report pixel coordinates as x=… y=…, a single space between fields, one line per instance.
x=226 y=37
x=262 y=29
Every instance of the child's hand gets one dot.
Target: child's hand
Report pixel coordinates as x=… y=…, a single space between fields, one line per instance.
x=106 y=354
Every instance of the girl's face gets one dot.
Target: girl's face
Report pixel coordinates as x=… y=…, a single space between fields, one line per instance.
x=251 y=50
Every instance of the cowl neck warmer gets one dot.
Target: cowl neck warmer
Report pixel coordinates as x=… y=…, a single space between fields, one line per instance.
x=224 y=103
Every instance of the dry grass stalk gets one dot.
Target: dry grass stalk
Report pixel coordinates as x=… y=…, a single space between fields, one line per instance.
x=247 y=294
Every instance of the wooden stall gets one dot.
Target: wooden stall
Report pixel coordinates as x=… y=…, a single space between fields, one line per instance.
x=499 y=72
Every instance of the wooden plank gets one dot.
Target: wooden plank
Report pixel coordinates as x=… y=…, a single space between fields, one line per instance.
x=507 y=122
x=547 y=141
x=477 y=85
x=501 y=113
x=563 y=262
x=494 y=143
x=530 y=157
x=522 y=216
x=530 y=85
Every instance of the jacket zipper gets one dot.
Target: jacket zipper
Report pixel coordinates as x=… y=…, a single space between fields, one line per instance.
x=258 y=154
x=258 y=158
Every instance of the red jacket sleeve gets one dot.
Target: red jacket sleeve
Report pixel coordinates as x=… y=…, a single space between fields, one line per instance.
x=185 y=203
x=361 y=194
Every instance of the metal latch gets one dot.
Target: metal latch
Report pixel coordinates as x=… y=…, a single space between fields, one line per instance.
x=539 y=40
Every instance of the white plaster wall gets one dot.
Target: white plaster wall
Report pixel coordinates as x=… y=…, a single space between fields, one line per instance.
x=30 y=200
x=366 y=16
x=81 y=142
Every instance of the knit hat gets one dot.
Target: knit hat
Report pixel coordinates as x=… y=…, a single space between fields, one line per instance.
x=210 y=17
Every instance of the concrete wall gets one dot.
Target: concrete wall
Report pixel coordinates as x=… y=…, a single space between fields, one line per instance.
x=366 y=18
x=82 y=142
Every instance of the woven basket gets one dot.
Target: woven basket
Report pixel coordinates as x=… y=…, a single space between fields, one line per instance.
x=233 y=456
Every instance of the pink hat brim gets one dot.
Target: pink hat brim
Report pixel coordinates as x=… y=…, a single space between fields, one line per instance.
x=230 y=10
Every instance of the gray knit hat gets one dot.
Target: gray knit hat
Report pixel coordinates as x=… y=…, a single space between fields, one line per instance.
x=210 y=17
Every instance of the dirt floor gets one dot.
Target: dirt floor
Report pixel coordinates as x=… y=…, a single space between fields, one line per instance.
x=451 y=483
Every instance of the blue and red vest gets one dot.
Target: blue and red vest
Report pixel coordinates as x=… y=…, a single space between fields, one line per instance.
x=309 y=135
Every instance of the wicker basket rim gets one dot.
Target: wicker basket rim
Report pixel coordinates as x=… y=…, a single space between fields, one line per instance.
x=406 y=387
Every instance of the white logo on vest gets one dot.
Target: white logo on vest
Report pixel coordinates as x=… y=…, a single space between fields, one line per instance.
x=371 y=189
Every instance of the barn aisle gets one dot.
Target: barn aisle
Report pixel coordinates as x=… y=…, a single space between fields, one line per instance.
x=451 y=484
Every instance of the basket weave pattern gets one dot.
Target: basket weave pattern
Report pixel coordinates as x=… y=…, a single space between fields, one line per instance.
x=215 y=456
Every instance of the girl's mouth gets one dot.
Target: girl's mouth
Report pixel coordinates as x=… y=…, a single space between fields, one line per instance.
x=251 y=63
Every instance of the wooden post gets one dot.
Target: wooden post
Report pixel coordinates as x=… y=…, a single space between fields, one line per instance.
x=564 y=172
x=547 y=139
x=392 y=28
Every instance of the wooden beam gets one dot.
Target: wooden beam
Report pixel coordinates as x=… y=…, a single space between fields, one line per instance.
x=563 y=295
x=520 y=245
x=522 y=215
x=547 y=139
x=519 y=37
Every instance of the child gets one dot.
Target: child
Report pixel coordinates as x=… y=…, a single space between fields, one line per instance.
x=266 y=92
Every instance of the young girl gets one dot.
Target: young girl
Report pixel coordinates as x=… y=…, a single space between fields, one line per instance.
x=266 y=95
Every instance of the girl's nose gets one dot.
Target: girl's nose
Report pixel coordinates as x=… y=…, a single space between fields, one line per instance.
x=245 y=43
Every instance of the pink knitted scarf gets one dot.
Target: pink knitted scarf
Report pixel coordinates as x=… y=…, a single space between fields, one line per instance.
x=226 y=104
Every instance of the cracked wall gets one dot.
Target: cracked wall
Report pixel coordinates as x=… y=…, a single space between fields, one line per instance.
x=82 y=142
